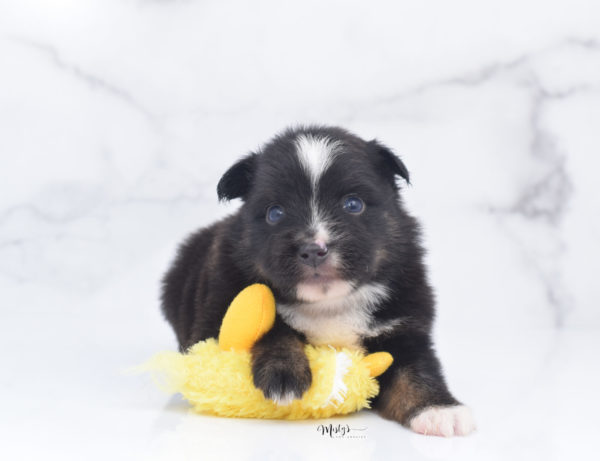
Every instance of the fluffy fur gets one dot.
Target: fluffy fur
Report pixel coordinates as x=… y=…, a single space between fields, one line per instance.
x=368 y=288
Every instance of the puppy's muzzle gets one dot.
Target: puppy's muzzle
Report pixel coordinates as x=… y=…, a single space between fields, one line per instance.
x=313 y=254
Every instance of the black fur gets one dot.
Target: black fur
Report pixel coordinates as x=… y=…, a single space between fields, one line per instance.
x=381 y=245
x=279 y=365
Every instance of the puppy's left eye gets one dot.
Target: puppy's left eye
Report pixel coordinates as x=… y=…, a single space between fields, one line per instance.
x=274 y=214
x=353 y=205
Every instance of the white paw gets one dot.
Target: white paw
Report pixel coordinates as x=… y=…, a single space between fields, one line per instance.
x=284 y=399
x=444 y=421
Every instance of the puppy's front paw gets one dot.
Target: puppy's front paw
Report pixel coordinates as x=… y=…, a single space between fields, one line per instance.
x=444 y=421
x=282 y=382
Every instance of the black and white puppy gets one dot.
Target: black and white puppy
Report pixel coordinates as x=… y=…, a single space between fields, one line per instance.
x=322 y=224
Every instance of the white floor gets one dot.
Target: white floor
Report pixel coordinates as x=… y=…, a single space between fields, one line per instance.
x=66 y=395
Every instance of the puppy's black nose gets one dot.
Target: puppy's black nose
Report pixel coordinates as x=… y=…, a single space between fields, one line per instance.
x=313 y=254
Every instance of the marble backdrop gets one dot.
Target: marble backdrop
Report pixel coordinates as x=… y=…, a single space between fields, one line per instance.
x=117 y=119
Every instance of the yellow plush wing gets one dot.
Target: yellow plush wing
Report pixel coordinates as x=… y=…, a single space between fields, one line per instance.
x=378 y=362
x=250 y=315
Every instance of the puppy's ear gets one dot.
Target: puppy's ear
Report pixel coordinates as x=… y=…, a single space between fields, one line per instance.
x=388 y=160
x=237 y=181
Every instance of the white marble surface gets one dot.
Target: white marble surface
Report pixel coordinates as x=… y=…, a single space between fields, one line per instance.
x=118 y=117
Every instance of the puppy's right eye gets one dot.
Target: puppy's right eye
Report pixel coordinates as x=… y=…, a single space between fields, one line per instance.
x=274 y=214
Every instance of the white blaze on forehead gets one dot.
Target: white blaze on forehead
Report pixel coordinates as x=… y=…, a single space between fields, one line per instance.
x=315 y=155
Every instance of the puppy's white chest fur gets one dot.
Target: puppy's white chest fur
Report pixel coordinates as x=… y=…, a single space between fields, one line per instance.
x=339 y=322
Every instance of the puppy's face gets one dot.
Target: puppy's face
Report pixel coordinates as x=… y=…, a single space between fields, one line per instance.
x=320 y=205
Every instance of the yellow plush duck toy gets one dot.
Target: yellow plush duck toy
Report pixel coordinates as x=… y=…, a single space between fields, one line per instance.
x=216 y=377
